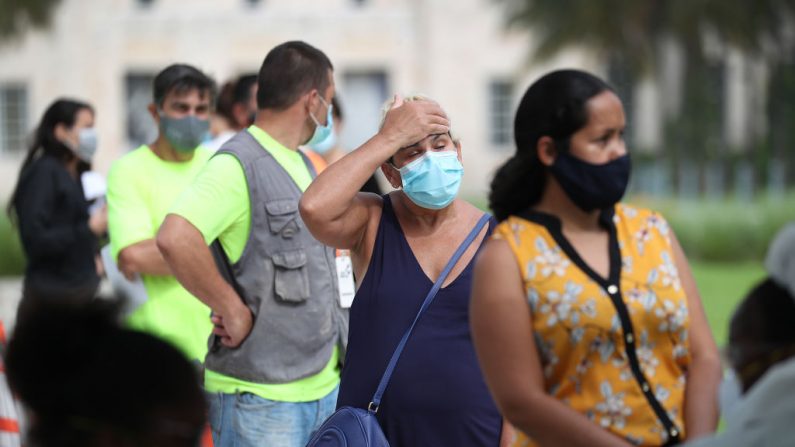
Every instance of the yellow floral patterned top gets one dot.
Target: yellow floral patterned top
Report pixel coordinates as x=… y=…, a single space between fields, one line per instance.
x=615 y=349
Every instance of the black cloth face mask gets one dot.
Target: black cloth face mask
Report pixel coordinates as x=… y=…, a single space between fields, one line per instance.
x=591 y=186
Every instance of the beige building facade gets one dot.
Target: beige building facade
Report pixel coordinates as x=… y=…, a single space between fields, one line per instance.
x=455 y=51
x=106 y=51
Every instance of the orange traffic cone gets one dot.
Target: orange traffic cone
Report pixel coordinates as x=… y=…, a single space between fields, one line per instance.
x=207 y=437
x=9 y=422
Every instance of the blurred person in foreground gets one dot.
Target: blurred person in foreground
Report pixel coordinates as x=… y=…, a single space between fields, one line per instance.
x=760 y=410
x=86 y=382
x=142 y=187
x=272 y=371
x=59 y=236
x=235 y=110
x=585 y=316
x=399 y=244
x=330 y=149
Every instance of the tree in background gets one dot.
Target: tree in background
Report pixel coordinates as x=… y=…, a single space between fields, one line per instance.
x=633 y=34
x=17 y=16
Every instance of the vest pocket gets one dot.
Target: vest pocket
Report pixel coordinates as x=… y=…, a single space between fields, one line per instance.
x=291 y=280
x=283 y=217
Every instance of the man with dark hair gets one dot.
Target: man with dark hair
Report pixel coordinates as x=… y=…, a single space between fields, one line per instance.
x=272 y=371
x=289 y=71
x=142 y=186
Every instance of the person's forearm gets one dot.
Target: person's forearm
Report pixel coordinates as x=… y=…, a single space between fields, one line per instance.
x=701 y=402
x=550 y=422
x=332 y=193
x=190 y=259
x=143 y=258
x=191 y=262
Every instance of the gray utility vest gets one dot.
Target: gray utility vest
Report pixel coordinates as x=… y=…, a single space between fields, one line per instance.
x=285 y=276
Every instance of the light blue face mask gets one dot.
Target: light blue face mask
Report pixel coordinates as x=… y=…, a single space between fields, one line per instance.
x=432 y=181
x=324 y=146
x=321 y=132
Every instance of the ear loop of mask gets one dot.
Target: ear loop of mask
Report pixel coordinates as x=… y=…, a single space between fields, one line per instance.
x=328 y=111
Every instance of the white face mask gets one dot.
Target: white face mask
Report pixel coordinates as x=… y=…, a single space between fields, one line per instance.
x=87 y=144
x=729 y=394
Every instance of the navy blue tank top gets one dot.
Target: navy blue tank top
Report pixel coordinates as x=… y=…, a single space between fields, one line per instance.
x=437 y=396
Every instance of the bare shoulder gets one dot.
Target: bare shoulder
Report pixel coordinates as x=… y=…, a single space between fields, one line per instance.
x=370 y=200
x=373 y=203
x=469 y=215
x=498 y=284
x=497 y=266
x=496 y=253
x=469 y=210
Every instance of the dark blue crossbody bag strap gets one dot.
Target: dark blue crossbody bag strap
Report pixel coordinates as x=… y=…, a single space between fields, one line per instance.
x=373 y=407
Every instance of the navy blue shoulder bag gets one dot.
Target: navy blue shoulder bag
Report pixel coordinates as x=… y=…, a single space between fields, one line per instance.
x=357 y=427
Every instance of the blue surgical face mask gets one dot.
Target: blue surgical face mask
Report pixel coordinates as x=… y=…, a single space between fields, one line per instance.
x=321 y=132
x=432 y=181
x=324 y=146
x=184 y=134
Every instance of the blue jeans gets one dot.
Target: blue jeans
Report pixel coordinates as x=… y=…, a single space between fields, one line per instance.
x=247 y=420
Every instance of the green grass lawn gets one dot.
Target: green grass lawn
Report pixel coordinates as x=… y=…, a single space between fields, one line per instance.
x=722 y=287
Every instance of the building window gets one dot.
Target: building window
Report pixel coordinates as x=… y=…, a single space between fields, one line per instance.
x=361 y=97
x=13 y=118
x=141 y=128
x=500 y=111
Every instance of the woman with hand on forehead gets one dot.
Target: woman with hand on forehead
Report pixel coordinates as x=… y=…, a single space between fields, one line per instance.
x=585 y=316
x=400 y=243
